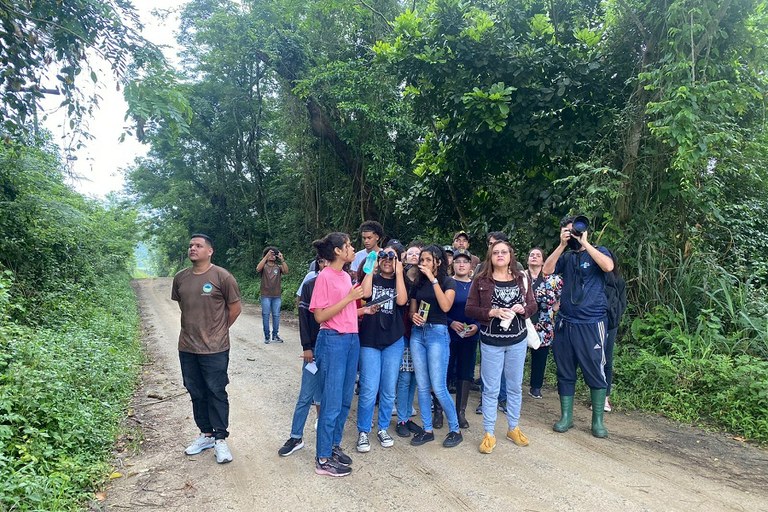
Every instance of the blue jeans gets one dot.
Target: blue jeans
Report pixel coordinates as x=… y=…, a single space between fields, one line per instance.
x=406 y=390
x=430 y=351
x=378 y=375
x=309 y=393
x=336 y=355
x=271 y=305
x=510 y=360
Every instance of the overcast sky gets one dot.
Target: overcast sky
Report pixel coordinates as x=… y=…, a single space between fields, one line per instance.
x=99 y=165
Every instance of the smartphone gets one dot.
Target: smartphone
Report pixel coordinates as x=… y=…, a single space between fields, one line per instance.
x=424 y=310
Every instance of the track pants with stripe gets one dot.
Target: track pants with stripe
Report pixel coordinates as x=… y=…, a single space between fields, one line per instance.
x=581 y=345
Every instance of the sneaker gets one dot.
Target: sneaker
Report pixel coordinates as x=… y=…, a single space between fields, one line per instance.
x=266 y=341
x=385 y=439
x=422 y=438
x=535 y=393
x=200 y=444
x=223 y=455
x=453 y=439
x=479 y=409
x=363 y=445
x=503 y=405
x=402 y=430
x=277 y=339
x=290 y=446
x=331 y=467
x=488 y=443
x=341 y=457
x=516 y=436
x=607 y=407
x=413 y=427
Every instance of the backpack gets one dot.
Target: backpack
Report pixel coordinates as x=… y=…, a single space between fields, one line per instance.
x=616 y=294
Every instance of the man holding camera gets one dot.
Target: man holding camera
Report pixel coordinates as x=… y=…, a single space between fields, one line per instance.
x=581 y=325
x=271 y=267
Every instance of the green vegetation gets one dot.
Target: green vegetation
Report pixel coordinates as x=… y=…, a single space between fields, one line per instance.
x=440 y=114
x=69 y=350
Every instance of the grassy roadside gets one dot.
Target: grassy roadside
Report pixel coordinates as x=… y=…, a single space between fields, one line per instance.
x=64 y=388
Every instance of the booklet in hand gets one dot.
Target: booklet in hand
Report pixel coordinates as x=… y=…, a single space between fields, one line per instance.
x=381 y=299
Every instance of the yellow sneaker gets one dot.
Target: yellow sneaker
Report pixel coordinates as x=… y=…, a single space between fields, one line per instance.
x=488 y=443
x=516 y=436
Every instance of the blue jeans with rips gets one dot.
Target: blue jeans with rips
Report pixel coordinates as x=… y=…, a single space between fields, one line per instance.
x=509 y=360
x=336 y=355
x=309 y=394
x=430 y=348
x=378 y=375
x=271 y=306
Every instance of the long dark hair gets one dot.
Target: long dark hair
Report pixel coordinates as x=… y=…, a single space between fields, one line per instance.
x=442 y=267
x=326 y=245
x=487 y=271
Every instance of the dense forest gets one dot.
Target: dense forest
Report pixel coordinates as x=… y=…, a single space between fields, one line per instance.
x=288 y=119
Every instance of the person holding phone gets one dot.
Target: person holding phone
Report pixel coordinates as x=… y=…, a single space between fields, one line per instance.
x=271 y=267
x=434 y=291
x=381 y=346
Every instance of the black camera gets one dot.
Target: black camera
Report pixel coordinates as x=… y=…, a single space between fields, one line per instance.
x=579 y=226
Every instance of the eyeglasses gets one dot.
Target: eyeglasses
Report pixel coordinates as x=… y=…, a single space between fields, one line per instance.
x=387 y=255
x=500 y=253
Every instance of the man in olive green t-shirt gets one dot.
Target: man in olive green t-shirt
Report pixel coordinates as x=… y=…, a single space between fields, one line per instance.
x=209 y=299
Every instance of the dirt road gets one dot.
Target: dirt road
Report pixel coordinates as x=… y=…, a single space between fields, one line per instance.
x=647 y=463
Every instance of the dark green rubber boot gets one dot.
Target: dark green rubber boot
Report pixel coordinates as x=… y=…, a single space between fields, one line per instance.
x=598 y=402
x=566 y=411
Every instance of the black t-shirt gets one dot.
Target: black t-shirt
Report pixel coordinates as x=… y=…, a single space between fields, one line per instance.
x=426 y=292
x=505 y=295
x=386 y=326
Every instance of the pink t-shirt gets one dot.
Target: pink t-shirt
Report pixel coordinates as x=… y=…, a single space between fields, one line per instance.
x=332 y=286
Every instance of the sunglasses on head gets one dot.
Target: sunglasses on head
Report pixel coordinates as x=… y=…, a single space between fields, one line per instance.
x=387 y=255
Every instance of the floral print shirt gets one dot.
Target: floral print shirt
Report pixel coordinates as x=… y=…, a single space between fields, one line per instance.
x=547 y=292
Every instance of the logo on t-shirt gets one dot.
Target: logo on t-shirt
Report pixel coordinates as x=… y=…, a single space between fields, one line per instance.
x=207 y=288
x=585 y=265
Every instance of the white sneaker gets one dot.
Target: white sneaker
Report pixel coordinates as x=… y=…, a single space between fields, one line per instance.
x=385 y=439
x=363 y=445
x=200 y=444
x=223 y=455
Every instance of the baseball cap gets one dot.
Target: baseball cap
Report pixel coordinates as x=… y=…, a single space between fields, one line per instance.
x=448 y=248
x=462 y=253
x=461 y=233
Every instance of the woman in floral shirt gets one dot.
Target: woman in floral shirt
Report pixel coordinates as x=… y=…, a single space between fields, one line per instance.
x=546 y=289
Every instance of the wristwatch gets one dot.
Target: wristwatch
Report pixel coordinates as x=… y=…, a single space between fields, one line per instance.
x=434 y=281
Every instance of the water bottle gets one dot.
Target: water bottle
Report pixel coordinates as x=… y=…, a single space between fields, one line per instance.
x=370 y=262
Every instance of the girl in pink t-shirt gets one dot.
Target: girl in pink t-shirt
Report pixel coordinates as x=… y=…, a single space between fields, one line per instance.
x=336 y=352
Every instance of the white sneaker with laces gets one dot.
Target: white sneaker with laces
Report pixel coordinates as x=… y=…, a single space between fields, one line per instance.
x=200 y=444
x=385 y=439
x=363 y=445
x=223 y=455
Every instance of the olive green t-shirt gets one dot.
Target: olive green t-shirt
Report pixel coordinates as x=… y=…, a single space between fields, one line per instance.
x=271 y=281
x=204 y=299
